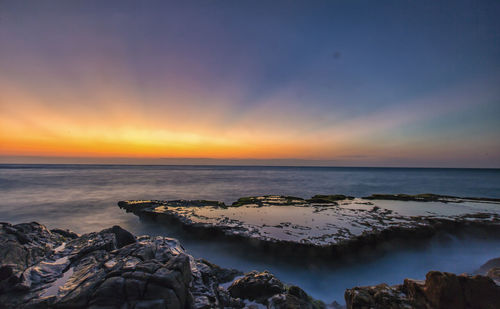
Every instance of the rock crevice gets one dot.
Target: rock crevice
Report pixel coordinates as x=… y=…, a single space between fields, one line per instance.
x=114 y=269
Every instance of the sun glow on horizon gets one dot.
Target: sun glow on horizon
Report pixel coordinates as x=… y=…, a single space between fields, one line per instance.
x=126 y=80
x=97 y=127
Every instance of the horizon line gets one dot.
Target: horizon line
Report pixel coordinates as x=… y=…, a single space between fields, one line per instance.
x=255 y=165
x=249 y=165
x=352 y=162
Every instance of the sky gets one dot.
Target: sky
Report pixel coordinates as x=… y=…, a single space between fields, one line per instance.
x=347 y=83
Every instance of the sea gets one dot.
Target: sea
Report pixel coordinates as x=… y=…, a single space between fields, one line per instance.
x=84 y=198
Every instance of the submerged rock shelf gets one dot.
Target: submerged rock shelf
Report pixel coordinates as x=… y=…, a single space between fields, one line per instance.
x=325 y=224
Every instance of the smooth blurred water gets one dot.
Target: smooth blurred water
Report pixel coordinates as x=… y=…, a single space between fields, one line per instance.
x=84 y=197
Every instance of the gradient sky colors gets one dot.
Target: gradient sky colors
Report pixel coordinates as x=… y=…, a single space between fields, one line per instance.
x=378 y=83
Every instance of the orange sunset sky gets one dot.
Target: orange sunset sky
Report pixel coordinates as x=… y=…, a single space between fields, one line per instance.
x=256 y=84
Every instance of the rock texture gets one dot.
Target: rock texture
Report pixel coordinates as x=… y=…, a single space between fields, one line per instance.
x=440 y=290
x=324 y=225
x=263 y=288
x=428 y=197
x=40 y=268
x=488 y=265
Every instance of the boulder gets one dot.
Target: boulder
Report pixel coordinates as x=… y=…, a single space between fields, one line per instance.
x=256 y=286
x=265 y=288
x=123 y=237
x=222 y=274
x=487 y=266
x=294 y=298
x=440 y=290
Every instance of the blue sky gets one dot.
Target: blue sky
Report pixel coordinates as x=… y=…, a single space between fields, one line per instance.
x=353 y=82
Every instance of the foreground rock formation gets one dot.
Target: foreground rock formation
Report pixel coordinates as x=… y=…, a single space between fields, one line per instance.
x=440 y=290
x=42 y=268
x=325 y=225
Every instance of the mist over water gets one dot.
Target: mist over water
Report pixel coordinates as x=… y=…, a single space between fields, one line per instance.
x=83 y=198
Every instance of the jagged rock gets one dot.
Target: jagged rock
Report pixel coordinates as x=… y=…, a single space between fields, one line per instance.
x=265 y=288
x=65 y=233
x=222 y=274
x=494 y=273
x=114 y=269
x=487 y=266
x=21 y=246
x=122 y=236
x=256 y=286
x=294 y=298
x=440 y=290
x=108 y=268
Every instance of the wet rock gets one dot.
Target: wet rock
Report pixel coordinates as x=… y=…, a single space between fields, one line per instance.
x=134 y=205
x=294 y=298
x=22 y=246
x=221 y=274
x=426 y=197
x=285 y=301
x=65 y=233
x=350 y=227
x=494 y=273
x=109 y=293
x=108 y=270
x=338 y=225
x=264 y=288
x=267 y=200
x=328 y=199
x=487 y=266
x=256 y=286
x=439 y=290
x=297 y=292
x=122 y=236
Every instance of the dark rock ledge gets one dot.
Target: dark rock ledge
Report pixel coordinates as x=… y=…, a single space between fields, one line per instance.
x=41 y=268
x=429 y=197
x=370 y=228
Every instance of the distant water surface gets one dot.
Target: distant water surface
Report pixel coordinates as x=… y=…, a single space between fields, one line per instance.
x=84 y=197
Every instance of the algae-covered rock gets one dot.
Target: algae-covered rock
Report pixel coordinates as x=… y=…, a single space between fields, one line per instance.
x=327 y=199
x=425 y=197
x=267 y=200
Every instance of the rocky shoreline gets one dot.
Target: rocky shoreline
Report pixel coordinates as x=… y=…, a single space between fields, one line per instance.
x=439 y=290
x=338 y=226
x=42 y=268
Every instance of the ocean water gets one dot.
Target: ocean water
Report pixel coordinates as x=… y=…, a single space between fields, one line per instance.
x=84 y=198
